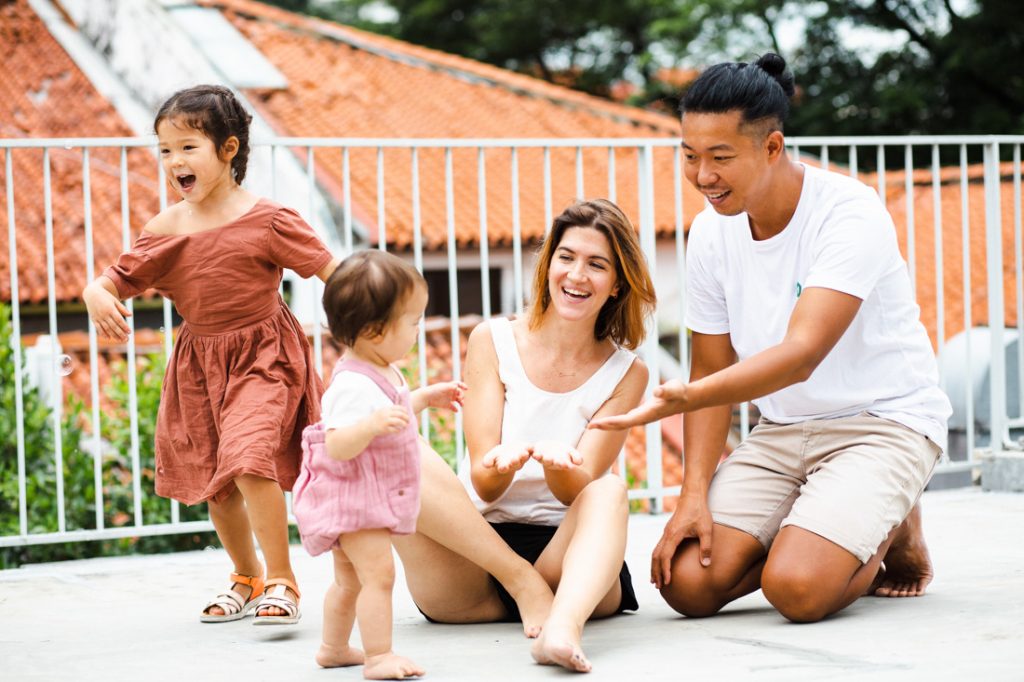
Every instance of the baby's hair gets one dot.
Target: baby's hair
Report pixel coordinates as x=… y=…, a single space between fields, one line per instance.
x=214 y=111
x=364 y=293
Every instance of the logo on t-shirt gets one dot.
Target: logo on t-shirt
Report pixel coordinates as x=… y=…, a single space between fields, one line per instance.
x=799 y=289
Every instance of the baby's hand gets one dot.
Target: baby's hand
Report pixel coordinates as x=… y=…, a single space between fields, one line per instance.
x=507 y=458
x=390 y=419
x=446 y=395
x=107 y=313
x=554 y=455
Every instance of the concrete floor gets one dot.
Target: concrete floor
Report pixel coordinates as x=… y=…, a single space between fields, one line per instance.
x=135 y=618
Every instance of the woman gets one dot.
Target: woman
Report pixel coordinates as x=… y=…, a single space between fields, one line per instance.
x=536 y=473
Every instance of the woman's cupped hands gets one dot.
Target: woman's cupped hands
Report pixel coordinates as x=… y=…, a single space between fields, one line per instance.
x=558 y=456
x=510 y=457
x=507 y=458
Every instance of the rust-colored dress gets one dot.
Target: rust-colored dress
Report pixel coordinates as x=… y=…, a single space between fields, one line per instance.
x=240 y=385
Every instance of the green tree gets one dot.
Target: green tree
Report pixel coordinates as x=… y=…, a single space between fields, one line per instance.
x=948 y=72
x=942 y=67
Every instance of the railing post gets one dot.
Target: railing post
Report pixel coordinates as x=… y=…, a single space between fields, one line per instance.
x=56 y=397
x=650 y=348
x=19 y=400
x=994 y=257
x=453 y=294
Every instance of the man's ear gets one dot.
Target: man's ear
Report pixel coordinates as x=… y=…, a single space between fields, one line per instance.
x=774 y=145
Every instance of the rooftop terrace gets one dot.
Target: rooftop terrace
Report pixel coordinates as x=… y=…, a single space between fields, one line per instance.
x=136 y=618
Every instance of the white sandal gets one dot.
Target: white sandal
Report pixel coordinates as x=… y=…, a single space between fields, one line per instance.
x=276 y=595
x=234 y=606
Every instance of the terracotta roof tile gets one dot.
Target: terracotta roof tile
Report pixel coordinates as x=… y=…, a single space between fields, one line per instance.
x=952 y=244
x=349 y=83
x=44 y=94
x=383 y=88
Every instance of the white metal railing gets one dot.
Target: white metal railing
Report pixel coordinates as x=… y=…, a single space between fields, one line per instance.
x=643 y=195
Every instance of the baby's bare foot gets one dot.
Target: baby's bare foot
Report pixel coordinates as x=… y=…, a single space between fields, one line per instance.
x=533 y=597
x=338 y=656
x=390 y=666
x=560 y=646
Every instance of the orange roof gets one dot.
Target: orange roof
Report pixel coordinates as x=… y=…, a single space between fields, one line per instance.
x=349 y=83
x=342 y=82
x=44 y=94
x=952 y=244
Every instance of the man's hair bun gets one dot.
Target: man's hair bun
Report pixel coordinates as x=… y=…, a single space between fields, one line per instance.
x=775 y=66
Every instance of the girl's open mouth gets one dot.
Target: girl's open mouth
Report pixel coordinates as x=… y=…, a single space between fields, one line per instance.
x=186 y=182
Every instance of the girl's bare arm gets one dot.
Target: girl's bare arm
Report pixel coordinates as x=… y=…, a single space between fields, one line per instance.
x=105 y=308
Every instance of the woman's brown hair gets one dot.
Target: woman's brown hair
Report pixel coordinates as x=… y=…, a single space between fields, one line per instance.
x=623 y=316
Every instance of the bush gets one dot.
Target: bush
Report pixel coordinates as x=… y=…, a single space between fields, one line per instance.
x=79 y=466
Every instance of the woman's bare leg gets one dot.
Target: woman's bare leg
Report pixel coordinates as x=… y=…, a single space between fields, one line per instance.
x=454 y=549
x=583 y=559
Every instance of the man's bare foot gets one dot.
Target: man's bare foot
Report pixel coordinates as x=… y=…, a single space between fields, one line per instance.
x=533 y=597
x=338 y=656
x=560 y=646
x=390 y=666
x=908 y=567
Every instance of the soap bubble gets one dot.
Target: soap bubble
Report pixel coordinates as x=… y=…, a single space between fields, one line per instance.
x=64 y=365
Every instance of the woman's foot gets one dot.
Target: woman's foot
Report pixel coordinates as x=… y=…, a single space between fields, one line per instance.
x=338 y=656
x=533 y=597
x=390 y=666
x=559 y=645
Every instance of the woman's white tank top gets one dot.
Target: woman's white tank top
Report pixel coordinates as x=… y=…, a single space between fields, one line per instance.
x=532 y=414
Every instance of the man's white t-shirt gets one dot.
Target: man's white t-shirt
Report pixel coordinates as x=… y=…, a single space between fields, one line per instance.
x=841 y=237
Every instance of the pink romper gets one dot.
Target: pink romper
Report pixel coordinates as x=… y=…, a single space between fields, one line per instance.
x=378 y=488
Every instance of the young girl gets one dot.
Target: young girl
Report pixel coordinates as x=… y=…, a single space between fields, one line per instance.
x=239 y=386
x=360 y=473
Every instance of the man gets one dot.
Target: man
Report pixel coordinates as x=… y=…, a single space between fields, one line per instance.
x=800 y=301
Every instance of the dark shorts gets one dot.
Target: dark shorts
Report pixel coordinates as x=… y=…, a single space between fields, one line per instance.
x=529 y=541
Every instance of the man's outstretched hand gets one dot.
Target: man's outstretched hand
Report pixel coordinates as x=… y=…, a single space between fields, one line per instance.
x=669 y=398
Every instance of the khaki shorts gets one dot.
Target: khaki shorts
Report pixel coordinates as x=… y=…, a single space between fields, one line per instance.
x=850 y=480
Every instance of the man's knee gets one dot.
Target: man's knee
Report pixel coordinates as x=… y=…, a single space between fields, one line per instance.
x=690 y=603
x=798 y=595
x=693 y=592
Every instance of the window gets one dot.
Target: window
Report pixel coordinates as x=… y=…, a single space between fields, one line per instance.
x=470 y=292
